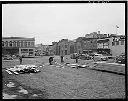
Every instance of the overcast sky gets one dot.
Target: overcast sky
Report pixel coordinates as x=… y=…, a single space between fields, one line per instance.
x=53 y=22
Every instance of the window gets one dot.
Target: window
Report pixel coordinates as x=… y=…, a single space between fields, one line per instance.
x=32 y=43
x=30 y=49
x=24 y=49
x=25 y=44
x=10 y=43
x=3 y=43
x=30 y=53
x=6 y=43
x=18 y=43
x=21 y=43
x=14 y=43
x=65 y=46
x=122 y=42
x=28 y=43
x=117 y=42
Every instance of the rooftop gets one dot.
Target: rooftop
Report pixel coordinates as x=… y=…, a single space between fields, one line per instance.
x=16 y=38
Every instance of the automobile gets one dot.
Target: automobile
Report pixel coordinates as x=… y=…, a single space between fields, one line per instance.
x=73 y=65
x=85 y=57
x=100 y=57
x=120 y=59
x=7 y=57
x=73 y=56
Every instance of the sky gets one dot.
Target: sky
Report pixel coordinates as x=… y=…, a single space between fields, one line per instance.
x=53 y=22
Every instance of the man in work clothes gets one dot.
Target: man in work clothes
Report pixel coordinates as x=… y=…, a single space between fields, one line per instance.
x=62 y=59
x=50 y=60
x=20 y=58
x=77 y=58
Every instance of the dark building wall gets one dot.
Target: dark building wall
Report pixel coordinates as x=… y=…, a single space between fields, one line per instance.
x=90 y=44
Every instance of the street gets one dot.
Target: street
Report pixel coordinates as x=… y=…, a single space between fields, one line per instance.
x=63 y=83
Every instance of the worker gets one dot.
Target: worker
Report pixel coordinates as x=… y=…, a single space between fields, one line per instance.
x=20 y=58
x=51 y=60
x=62 y=59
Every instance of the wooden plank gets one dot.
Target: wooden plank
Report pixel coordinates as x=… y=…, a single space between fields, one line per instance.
x=8 y=71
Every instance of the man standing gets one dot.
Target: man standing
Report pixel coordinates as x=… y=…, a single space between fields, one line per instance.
x=77 y=58
x=62 y=59
x=50 y=60
x=20 y=58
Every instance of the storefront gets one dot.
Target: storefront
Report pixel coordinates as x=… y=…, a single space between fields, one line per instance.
x=103 y=51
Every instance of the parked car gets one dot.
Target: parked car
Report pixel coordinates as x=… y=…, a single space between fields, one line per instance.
x=120 y=59
x=7 y=57
x=73 y=56
x=85 y=57
x=100 y=57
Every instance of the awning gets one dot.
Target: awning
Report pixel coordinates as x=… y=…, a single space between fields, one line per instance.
x=102 y=40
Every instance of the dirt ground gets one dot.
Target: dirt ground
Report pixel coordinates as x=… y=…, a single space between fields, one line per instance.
x=64 y=83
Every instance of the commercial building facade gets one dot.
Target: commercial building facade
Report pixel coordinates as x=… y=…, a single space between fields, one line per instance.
x=18 y=46
x=114 y=45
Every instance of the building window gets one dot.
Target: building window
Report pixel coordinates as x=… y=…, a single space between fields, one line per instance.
x=122 y=42
x=32 y=43
x=21 y=43
x=10 y=43
x=117 y=42
x=25 y=44
x=14 y=44
x=30 y=53
x=18 y=43
x=65 y=46
x=24 y=49
x=6 y=43
x=2 y=43
x=28 y=43
x=30 y=49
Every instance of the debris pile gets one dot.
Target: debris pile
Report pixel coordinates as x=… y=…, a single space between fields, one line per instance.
x=20 y=69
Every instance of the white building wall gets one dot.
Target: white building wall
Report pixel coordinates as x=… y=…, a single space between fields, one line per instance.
x=116 y=49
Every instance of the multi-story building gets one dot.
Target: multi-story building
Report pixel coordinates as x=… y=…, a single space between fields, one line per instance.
x=103 y=46
x=114 y=45
x=18 y=46
x=85 y=45
x=72 y=46
x=44 y=49
x=96 y=35
x=79 y=45
x=64 y=47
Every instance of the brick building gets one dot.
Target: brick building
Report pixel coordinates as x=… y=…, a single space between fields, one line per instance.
x=18 y=46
